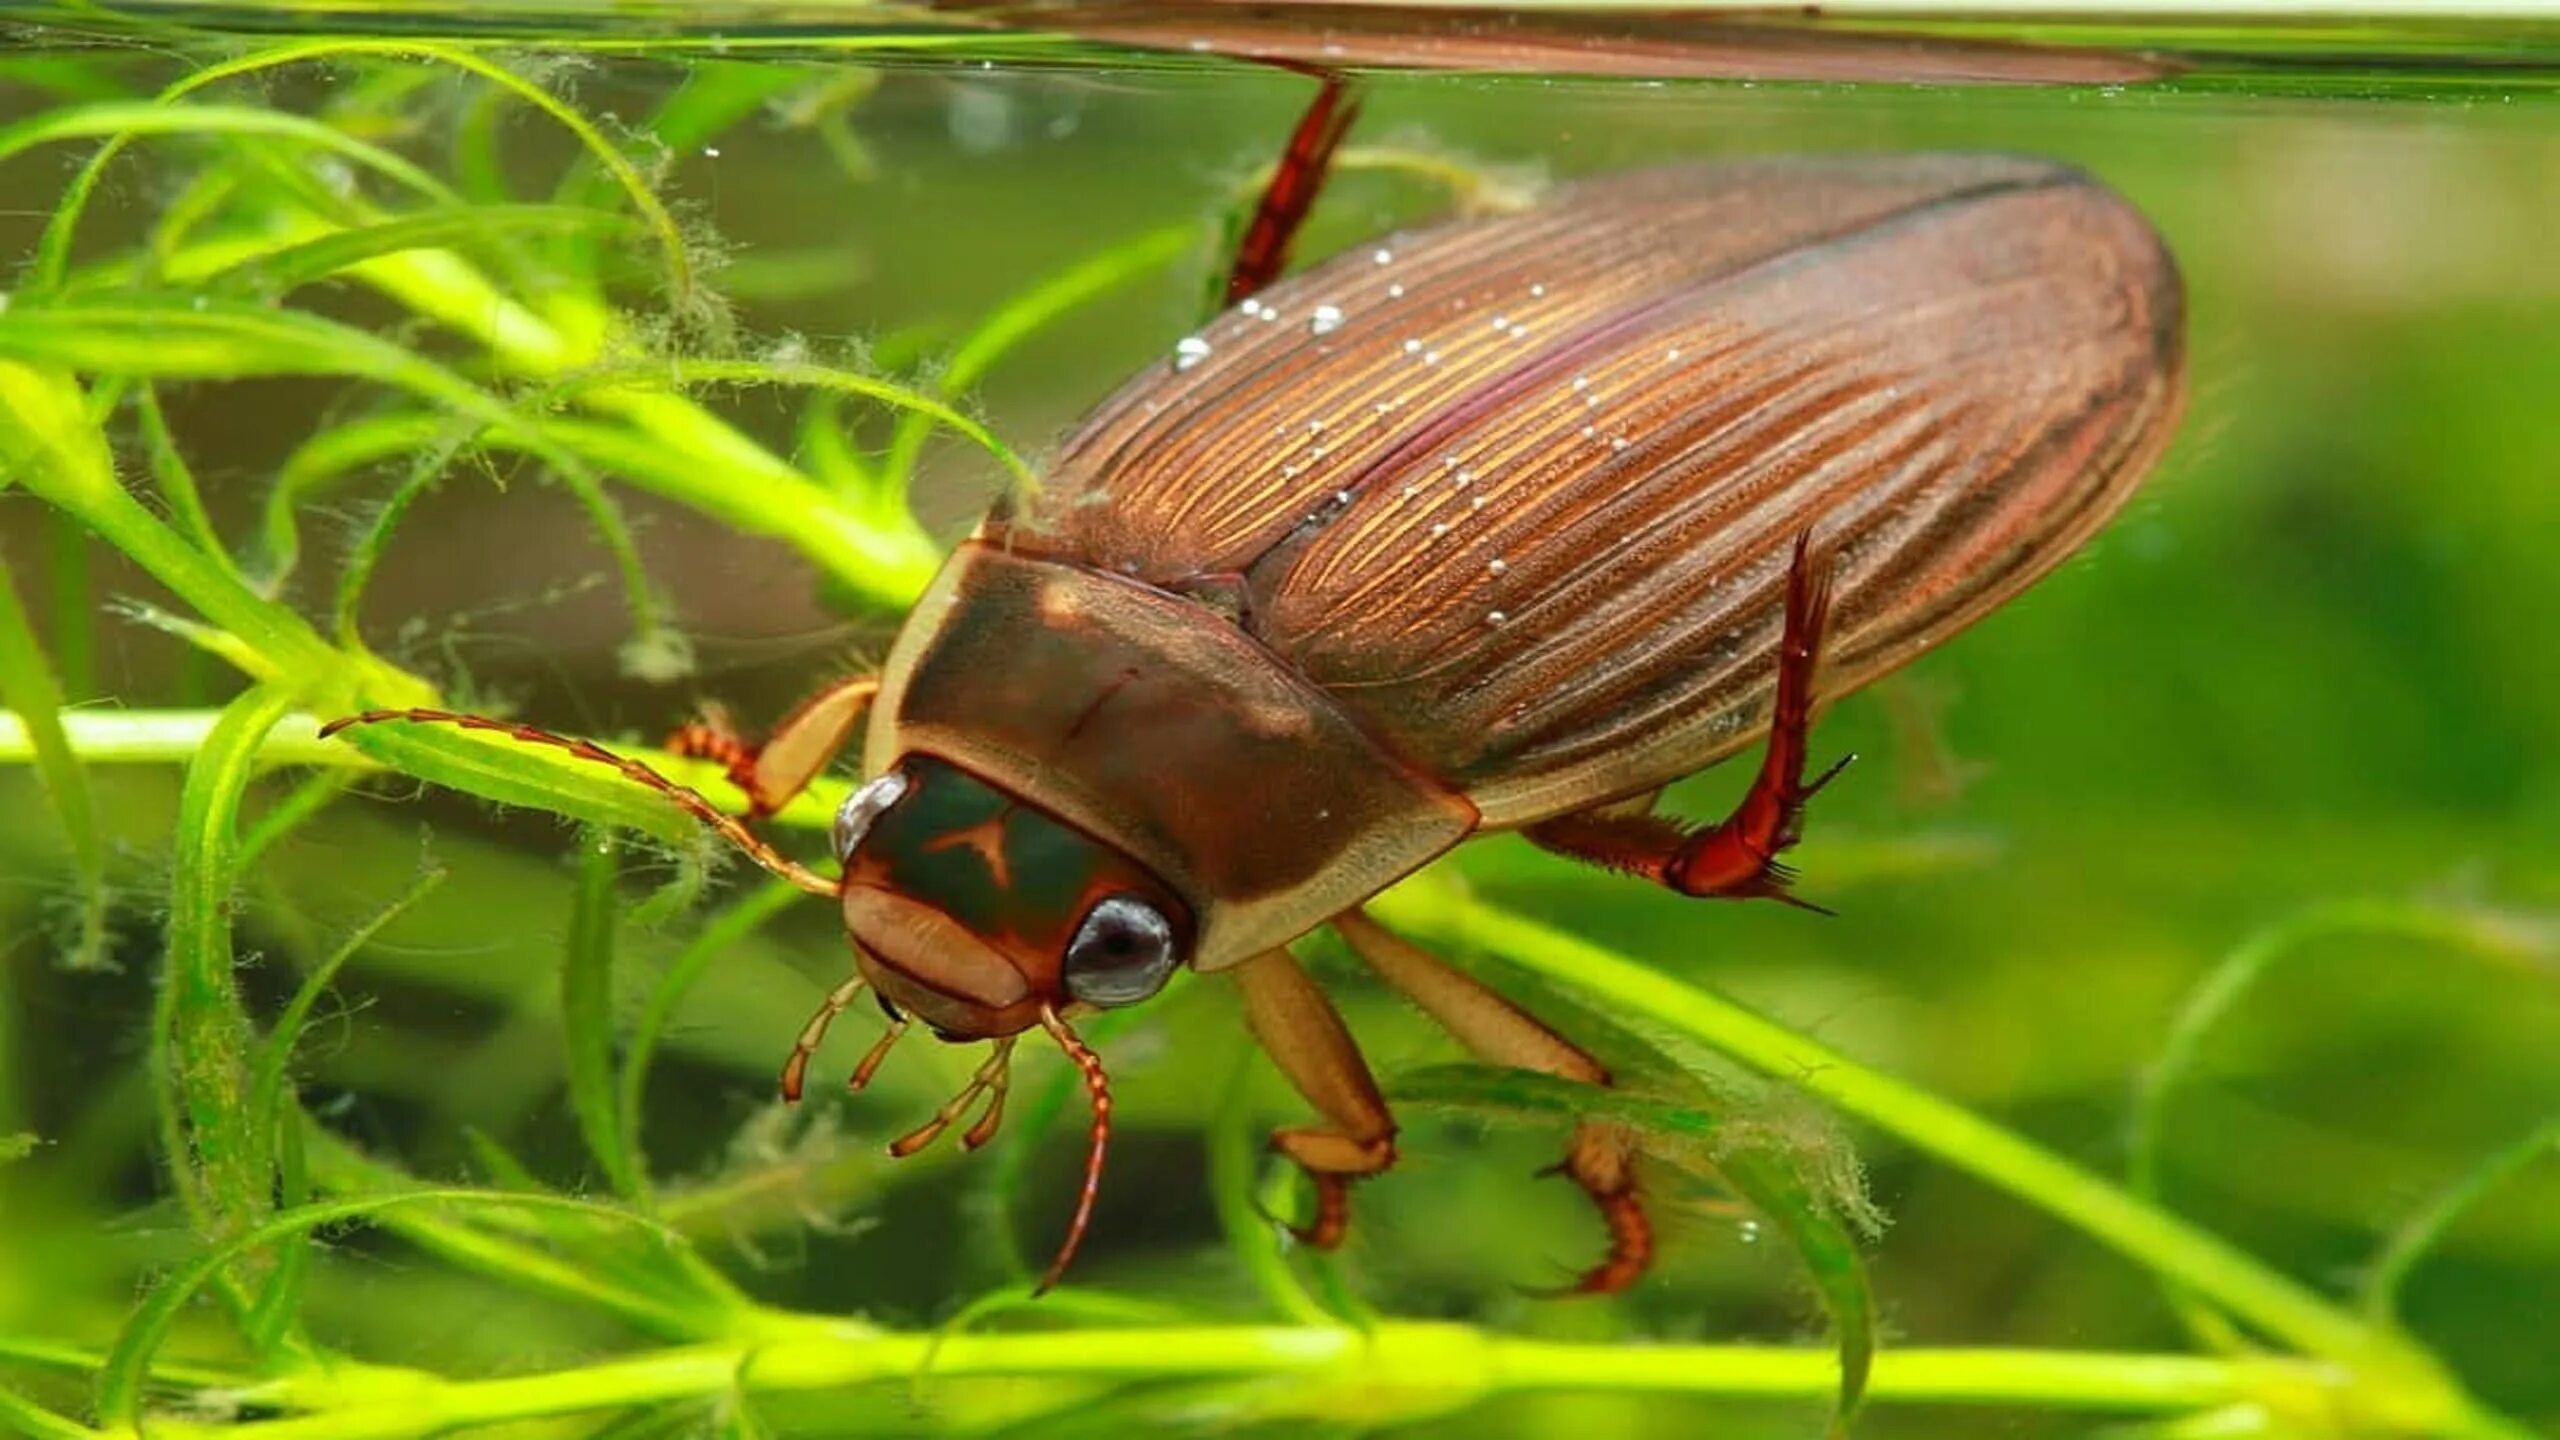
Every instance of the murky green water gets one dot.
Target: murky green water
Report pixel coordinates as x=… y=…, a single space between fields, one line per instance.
x=2298 y=703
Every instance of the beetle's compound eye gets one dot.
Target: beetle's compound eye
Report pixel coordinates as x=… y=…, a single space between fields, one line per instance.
x=854 y=816
x=1122 y=954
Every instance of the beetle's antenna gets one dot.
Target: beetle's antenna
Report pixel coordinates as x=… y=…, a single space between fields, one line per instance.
x=991 y=1076
x=1098 y=1086
x=692 y=801
x=796 y=1069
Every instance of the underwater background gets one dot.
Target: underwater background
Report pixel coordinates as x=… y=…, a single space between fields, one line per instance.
x=588 y=370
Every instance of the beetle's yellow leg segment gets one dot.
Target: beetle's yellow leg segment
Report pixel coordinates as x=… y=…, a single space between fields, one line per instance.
x=1600 y=1156
x=1738 y=857
x=1304 y=1035
x=991 y=1077
x=782 y=765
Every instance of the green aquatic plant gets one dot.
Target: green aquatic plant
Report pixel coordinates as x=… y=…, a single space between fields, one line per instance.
x=575 y=337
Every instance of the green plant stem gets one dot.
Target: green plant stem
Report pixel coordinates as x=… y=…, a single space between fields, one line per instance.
x=1432 y=908
x=1426 y=1366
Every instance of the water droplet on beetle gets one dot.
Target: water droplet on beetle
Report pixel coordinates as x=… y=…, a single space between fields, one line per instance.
x=1188 y=351
x=1496 y=617
x=1396 y=291
x=1413 y=347
x=1519 y=332
x=1383 y=256
x=1750 y=1230
x=1496 y=566
x=1438 y=529
x=1324 y=320
x=1430 y=357
x=1251 y=306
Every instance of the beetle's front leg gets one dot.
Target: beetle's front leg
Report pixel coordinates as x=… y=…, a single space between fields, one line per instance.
x=1737 y=858
x=1304 y=1035
x=784 y=762
x=1600 y=1157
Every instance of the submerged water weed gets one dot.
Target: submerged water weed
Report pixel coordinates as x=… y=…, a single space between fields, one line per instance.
x=573 y=335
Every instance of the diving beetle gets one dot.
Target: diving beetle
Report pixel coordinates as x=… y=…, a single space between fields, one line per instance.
x=1501 y=524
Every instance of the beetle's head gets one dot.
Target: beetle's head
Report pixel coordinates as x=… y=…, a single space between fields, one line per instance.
x=972 y=909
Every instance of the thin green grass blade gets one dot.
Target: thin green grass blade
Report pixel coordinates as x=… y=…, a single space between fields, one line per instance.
x=1234 y=1154
x=300 y=804
x=274 y=1059
x=49 y=444
x=2418 y=1237
x=120 y=122
x=176 y=478
x=195 y=336
x=682 y=371
x=602 y=152
x=1765 y=1174
x=274 y=273
x=1431 y=908
x=1027 y=314
x=275 y=1316
x=2221 y=992
x=27 y=683
x=586 y=1014
x=717 y=937
x=223 y=1167
x=30 y=1419
x=121 y=1379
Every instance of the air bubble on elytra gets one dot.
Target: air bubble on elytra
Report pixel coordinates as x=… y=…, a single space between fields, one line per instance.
x=1537 y=292
x=1413 y=347
x=1383 y=256
x=1324 y=320
x=1395 y=291
x=1496 y=566
x=1251 y=307
x=1190 y=350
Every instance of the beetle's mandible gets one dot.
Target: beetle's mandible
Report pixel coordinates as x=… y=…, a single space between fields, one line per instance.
x=1501 y=524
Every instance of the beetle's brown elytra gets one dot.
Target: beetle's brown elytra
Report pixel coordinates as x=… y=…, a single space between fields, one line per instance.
x=1500 y=524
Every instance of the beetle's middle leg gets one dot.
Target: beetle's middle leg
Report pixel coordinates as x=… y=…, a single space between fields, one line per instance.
x=1304 y=1035
x=1600 y=1157
x=780 y=766
x=1736 y=858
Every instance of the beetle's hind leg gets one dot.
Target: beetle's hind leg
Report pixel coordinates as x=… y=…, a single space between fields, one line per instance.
x=1262 y=251
x=1600 y=1157
x=780 y=766
x=1304 y=1035
x=1736 y=858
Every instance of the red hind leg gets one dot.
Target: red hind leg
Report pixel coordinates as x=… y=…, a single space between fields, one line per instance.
x=1263 y=251
x=1736 y=858
x=1600 y=1157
